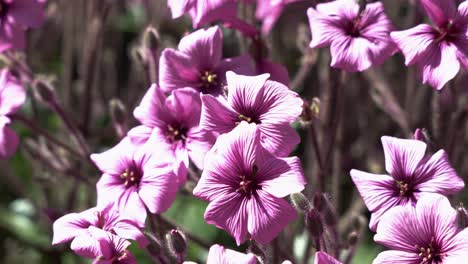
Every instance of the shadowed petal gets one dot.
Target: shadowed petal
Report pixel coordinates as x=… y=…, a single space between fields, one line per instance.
x=323 y=258
x=177 y=70
x=439 y=11
x=217 y=115
x=241 y=65
x=229 y=213
x=351 y=54
x=414 y=42
x=281 y=177
x=8 y=141
x=69 y=226
x=280 y=139
x=86 y=246
x=29 y=13
x=198 y=143
x=185 y=105
x=268 y=215
x=437 y=175
x=324 y=28
x=12 y=36
x=277 y=71
x=140 y=134
x=402 y=156
x=244 y=90
x=158 y=189
x=211 y=10
x=204 y=47
x=397 y=257
x=150 y=112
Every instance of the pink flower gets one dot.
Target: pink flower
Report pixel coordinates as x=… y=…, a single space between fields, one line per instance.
x=173 y=122
x=269 y=11
x=204 y=11
x=198 y=63
x=426 y=233
x=323 y=258
x=270 y=105
x=245 y=186
x=70 y=226
x=15 y=17
x=103 y=247
x=135 y=179
x=278 y=72
x=219 y=255
x=412 y=175
x=357 y=39
x=12 y=97
x=437 y=50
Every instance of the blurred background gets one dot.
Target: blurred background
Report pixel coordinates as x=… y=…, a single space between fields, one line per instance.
x=88 y=50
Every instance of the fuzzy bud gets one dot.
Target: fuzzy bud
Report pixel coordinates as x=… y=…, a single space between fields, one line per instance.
x=300 y=202
x=118 y=111
x=462 y=216
x=176 y=242
x=44 y=91
x=151 y=38
x=322 y=203
x=353 y=238
x=314 y=223
x=154 y=248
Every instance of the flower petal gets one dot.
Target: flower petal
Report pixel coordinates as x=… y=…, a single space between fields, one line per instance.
x=211 y=10
x=185 y=105
x=279 y=139
x=324 y=28
x=402 y=156
x=323 y=258
x=277 y=71
x=12 y=94
x=150 y=112
x=177 y=70
x=414 y=42
x=217 y=115
x=8 y=141
x=29 y=13
x=440 y=11
x=158 y=188
x=180 y=7
x=243 y=91
x=397 y=257
x=268 y=215
x=86 y=246
x=204 y=47
x=69 y=226
x=115 y=160
x=351 y=54
x=281 y=177
x=198 y=143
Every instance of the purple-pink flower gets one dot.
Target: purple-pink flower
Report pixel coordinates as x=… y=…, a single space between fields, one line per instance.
x=268 y=11
x=136 y=179
x=255 y=99
x=198 y=63
x=357 y=39
x=323 y=258
x=73 y=225
x=245 y=185
x=204 y=11
x=15 y=17
x=174 y=123
x=12 y=97
x=427 y=233
x=438 y=50
x=103 y=247
x=411 y=176
x=219 y=255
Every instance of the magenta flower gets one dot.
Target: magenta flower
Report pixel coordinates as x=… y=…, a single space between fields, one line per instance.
x=15 y=17
x=12 y=97
x=269 y=11
x=411 y=176
x=173 y=121
x=426 y=233
x=357 y=39
x=198 y=63
x=135 y=179
x=437 y=50
x=278 y=72
x=218 y=254
x=245 y=186
x=204 y=11
x=103 y=247
x=254 y=99
x=70 y=226
x=323 y=258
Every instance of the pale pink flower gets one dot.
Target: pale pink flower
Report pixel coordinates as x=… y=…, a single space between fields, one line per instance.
x=219 y=255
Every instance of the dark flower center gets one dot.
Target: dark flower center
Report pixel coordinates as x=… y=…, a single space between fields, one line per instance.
x=354 y=28
x=131 y=176
x=208 y=82
x=118 y=258
x=249 y=118
x=176 y=132
x=430 y=254
x=248 y=184
x=447 y=32
x=404 y=189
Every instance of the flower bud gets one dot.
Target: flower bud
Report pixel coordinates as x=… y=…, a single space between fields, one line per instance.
x=314 y=223
x=353 y=238
x=44 y=91
x=176 y=242
x=322 y=203
x=151 y=38
x=154 y=248
x=462 y=216
x=300 y=202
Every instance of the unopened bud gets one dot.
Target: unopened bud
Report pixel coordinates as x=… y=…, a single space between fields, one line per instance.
x=151 y=38
x=314 y=223
x=118 y=111
x=462 y=216
x=322 y=203
x=300 y=202
x=44 y=91
x=421 y=135
x=154 y=248
x=176 y=242
x=353 y=238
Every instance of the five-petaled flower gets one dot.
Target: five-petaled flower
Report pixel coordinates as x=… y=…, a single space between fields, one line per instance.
x=174 y=123
x=198 y=63
x=12 y=97
x=427 y=234
x=255 y=99
x=136 y=179
x=412 y=175
x=15 y=17
x=437 y=50
x=357 y=39
x=245 y=186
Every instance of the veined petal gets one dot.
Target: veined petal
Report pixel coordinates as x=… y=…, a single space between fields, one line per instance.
x=128 y=229
x=150 y=112
x=229 y=213
x=8 y=141
x=180 y=7
x=462 y=15
x=87 y=246
x=185 y=106
x=243 y=91
x=219 y=255
x=348 y=9
x=279 y=139
x=457 y=247
x=69 y=226
x=108 y=189
x=440 y=65
x=158 y=189
x=198 y=143
x=323 y=258
x=440 y=11
x=324 y=28
x=351 y=54
x=217 y=115
x=12 y=94
x=437 y=175
x=139 y=134
x=281 y=177
x=268 y=215
x=115 y=160
x=402 y=156
x=397 y=257
x=414 y=42
x=211 y=10
x=177 y=70
x=204 y=47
